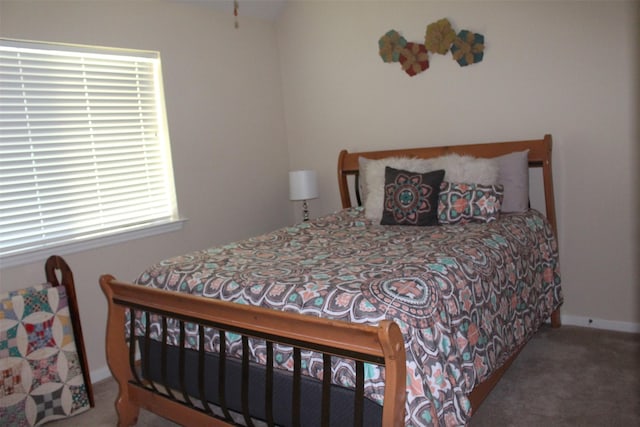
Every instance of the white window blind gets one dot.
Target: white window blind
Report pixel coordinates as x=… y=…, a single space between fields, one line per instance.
x=84 y=149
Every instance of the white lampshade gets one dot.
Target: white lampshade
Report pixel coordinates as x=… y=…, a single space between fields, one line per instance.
x=303 y=185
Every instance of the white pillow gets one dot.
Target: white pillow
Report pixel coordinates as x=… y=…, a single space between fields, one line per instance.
x=457 y=169
x=363 y=163
x=467 y=169
x=513 y=174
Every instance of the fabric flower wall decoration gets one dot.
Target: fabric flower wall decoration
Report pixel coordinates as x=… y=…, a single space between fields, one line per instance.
x=468 y=48
x=439 y=36
x=414 y=58
x=390 y=46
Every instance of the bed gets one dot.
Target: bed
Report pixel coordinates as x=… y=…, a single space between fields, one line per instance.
x=417 y=324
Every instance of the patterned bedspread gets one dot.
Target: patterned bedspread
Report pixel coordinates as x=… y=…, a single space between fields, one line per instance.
x=465 y=297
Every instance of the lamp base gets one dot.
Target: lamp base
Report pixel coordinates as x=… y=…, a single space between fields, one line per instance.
x=305 y=211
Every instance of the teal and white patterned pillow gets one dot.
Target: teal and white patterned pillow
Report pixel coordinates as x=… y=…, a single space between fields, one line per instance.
x=461 y=203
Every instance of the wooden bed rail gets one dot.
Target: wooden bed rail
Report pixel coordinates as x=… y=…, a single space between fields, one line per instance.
x=382 y=344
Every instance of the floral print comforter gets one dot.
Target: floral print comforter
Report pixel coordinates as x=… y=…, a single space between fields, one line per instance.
x=464 y=296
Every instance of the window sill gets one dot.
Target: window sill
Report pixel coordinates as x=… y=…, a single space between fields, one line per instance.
x=37 y=255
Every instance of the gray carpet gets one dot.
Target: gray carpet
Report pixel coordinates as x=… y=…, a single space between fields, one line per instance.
x=564 y=377
x=569 y=377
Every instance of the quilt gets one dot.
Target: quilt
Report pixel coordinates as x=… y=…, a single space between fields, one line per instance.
x=40 y=373
x=464 y=296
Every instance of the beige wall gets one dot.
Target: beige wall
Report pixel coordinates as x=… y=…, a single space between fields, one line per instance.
x=224 y=106
x=565 y=68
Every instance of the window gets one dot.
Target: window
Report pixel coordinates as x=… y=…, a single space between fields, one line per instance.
x=84 y=149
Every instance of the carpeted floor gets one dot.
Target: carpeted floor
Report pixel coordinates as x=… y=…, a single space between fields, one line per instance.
x=564 y=377
x=569 y=377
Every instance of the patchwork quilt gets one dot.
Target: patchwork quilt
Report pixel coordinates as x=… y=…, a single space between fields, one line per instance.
x=40 y=373
x=465 y=296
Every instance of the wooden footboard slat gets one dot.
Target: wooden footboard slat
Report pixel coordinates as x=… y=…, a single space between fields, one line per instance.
x=163 y=359
x=382 y=344
x=147 y=353
x=295 y=413
x=358 y=404
x=182 y=366
x=269 y=385
x=245 y=381
x=201 y=368
x=222 y=375
x=326 y=390
x=132 y=348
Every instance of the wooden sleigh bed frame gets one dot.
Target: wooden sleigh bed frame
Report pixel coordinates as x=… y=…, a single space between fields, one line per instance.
x=382 y=344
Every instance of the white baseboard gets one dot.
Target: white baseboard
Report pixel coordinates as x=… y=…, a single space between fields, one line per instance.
x=611 y=325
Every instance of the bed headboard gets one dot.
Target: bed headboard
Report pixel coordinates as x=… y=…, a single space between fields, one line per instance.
x=539 y=157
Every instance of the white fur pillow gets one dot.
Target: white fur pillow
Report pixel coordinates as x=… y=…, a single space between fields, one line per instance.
x=457 y=169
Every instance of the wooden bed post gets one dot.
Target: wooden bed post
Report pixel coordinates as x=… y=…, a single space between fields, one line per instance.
x=547 y=177
x=392 y=343
x=343 y=185
x=117 y=349
x=550 y=206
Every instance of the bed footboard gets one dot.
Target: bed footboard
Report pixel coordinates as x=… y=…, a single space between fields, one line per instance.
x=382 y=345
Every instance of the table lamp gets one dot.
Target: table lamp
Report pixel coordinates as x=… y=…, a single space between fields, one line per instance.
x=303 y=185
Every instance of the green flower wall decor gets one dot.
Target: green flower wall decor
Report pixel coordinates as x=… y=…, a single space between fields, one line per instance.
x=468 y=48
x=390 y=46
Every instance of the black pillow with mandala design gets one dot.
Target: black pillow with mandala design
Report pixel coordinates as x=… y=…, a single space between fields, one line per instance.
x=411 y=198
